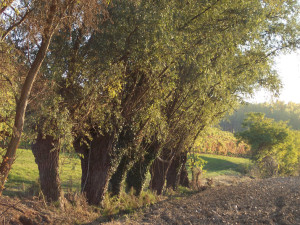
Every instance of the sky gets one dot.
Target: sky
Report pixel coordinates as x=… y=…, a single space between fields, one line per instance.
x=288 y=67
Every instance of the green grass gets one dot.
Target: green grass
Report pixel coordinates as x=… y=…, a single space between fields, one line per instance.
x=24 y=173
x=218 y=165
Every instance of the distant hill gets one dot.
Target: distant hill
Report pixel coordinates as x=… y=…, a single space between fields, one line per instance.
x=279 y=111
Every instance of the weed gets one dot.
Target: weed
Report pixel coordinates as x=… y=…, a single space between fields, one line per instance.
x=127 y=202
x=34 y=189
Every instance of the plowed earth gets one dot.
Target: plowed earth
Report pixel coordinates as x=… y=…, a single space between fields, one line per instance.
x=269 y=201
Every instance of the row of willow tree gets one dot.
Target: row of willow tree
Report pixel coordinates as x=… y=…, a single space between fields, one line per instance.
x=130 y=85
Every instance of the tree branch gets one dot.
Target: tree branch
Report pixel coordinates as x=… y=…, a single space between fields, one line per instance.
x=13 y=26
x=197 y=16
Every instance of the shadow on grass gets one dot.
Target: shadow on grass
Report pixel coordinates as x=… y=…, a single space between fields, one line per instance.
x=216 y=165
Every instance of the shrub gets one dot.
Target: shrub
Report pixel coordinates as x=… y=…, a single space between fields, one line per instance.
x=195 y=164
x=273 y=145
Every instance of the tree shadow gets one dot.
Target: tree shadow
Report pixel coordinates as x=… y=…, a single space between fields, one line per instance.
x=218 y=165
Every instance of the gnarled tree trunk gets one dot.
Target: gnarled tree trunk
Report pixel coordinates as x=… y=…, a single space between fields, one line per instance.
x=46 y=153
x=136 y=176
x=174 y=172
x=177 y=171
x=159 y=170
x=97 y=167
x=184 y=179
x=119 y=175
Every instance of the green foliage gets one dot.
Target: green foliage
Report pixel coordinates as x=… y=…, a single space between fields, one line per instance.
x=9 y=85
x=270 y=141
x=195 y=162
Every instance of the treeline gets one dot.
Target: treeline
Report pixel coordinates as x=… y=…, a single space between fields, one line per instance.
x=130 y=85
x=279 y=111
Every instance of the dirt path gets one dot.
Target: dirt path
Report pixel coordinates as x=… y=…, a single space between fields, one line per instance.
x=270 y=201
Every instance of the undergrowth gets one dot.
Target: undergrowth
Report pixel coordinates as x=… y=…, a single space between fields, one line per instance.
x=128 y=202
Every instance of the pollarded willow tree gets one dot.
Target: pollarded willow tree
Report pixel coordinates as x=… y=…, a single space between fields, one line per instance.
x=30 y=26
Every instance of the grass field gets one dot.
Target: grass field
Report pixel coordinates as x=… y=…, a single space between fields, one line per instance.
x=24 y=172
x=218 y=165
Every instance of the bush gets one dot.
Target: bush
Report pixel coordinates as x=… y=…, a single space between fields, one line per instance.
x=272 y=143
x=195 y=164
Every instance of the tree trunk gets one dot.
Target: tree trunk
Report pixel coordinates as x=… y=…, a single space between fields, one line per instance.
x=46 y=153
x=174 y=173
x=128 y=144
x=177 y=173
x=136 y=176
x=97 y=167
x=184 y=179
x=119 y=175
x=159 y=170
x=82 y=148
x=10 y=154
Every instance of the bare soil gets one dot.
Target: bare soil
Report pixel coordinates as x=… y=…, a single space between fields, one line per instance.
x=268 y=201
x=252 y=201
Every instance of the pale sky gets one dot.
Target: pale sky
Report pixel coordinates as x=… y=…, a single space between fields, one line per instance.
x=288 y=67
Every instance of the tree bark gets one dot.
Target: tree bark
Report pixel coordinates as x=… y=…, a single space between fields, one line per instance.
x=174 y=172
x=184 y=178
x=46 y=153
x=136 y=176
x=97 y=167
x=159 y=170
x=177 y=173
x=9 y=156
x=119 y=175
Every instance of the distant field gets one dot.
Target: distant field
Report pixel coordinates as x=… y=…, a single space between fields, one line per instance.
x=24 y=172
x=218 y=165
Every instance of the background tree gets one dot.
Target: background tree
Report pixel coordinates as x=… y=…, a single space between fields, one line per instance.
x=269 y=141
